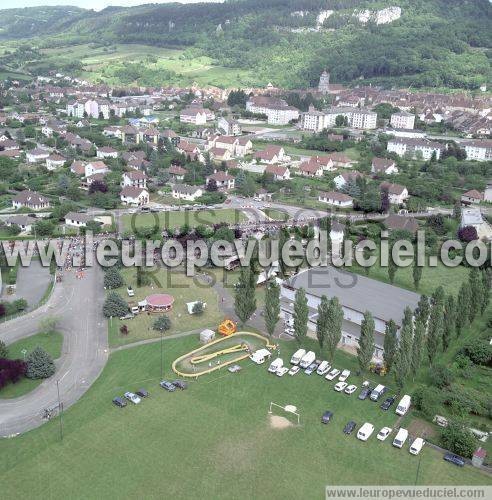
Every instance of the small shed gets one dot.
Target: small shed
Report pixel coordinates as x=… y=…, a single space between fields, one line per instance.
x=206 y=336
x=479 y=457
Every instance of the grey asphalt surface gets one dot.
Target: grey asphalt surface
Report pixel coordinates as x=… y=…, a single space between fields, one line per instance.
x=85 y=350
x=32 y=283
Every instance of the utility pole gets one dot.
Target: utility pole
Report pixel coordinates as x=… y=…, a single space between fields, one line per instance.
x=60 y=409
x=162 y=366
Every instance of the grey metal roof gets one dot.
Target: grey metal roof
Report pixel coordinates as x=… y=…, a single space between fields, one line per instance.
x=356 y=292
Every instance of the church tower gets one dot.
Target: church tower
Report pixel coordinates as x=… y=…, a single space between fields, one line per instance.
x=324 y=83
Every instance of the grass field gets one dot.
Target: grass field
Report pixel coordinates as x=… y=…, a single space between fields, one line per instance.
x=276 y=214
x=51 y=342
x=172 y=220
x=212 y=441
x=184 y=289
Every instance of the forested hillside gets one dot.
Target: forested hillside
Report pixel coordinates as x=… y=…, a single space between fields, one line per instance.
x=415 y=43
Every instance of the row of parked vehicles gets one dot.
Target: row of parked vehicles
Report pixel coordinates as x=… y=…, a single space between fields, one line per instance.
x=136 y=397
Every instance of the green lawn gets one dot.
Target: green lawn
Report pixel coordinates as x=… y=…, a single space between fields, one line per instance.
x=172 y=220
x=212 y=441
x=276 y=214
x=51 y=342
x=184 y=289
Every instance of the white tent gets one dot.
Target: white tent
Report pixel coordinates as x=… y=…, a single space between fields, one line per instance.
x=207 y=336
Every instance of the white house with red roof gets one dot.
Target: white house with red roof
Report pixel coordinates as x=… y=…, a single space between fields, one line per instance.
x=279 y=172
x=272 y=154
x=397 y=193
x=95 y=167
x=336 y=199
x=135 y=178
x=383 y=166
x=222 y=179
x=131 y=195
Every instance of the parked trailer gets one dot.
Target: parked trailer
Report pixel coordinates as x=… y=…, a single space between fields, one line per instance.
x=307 y=359
x=297 y=356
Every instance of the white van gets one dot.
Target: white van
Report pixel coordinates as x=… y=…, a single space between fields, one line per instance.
x=416 y=446
x=307 y=359
x=275 y=365
x=260 y=356
x=400 y=438
x=297 y=356
x=323 y=368
x=378 y=392
x=364 y=433
x=403 y=405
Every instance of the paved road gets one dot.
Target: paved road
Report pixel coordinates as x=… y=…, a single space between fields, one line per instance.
x=85 y=350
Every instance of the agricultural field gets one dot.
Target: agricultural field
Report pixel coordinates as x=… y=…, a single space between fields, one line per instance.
x=175 y=219
x=51 y=342
x=184 y=289
x=223 y=442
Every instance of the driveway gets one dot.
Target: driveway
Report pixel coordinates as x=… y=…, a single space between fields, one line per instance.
x=84 y=354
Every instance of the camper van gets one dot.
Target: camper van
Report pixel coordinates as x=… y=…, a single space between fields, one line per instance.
x=364 y=433
x=378 y=392
x=260 y=356
x=403 y=405
x=323 y=368
x=400 y=438
x=275 y=365
x=307 y=359
x=297 y=356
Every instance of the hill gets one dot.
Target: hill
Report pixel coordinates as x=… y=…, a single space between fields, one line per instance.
x=431 y=43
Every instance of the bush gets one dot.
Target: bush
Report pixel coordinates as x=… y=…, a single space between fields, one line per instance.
x=479 y=351
x=114 y=305
x=427 y=400
x=4 y=352
x=11 y=370
x=162 y=323
x=197 y=308
x=112 y=278
x=459 y=440
x=441 y=376
x=463 y=402
x=39 y=364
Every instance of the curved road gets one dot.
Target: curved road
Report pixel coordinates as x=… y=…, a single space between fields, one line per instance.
x=84 y=355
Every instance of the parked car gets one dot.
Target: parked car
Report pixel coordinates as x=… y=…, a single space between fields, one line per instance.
x=403 y=405
x=385 y=405
x=132 y=397
x=130 y=291
x=294 y=370
x=234 y=368
x=334 y=373
x=349 y=427
x=340 y=386
x=143 y=393
x=120 y=402
x=400 y=438
x=416 y=446
x=165 y=384
x=454 y=459
x=323 y=368
x=275 y=365
x=297 y=356
x=327 y=416
x=384 y=433
x=365 y=393
x=180 y=384
x=364 y=433
x=344 y=375
x=377 y=392
x=127 y=316
x=307 y=359
x=350 y=389
x=311 y=368
x=282 y=371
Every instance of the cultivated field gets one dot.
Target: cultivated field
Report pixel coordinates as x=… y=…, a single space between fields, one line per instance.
x=214 y=440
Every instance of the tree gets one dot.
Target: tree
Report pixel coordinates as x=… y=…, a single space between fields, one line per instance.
x=272 y=306
x=417 y=346
x=301 y=312
x=403 y=361
x=423 y=309
x=162 y=323
x=322 y=321
x=392 y=268
x=4 y=352
x=486 y=284
x=112 y=278
x=390 y=344
x=98 y=187
x=197 y=308
x=456 y=438
x=211 y=185
x=416 y=274
x=463 y=307
x=449 y=322
x=114 y=305
x=124 y=330
x=334 y=332
x=142 y=277
x=365 y=349
x=476 y=292
x=245 y=300
x=436 y=324
x=467 y=234
x=441 y=376
x=39 y=364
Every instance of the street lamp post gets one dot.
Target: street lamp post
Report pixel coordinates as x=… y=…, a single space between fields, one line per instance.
x=162 y=368
x=60 y=409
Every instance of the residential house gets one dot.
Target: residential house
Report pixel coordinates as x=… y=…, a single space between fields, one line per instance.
x=271 y=154
x=480 y=150
x=383 y=166
x=279 y=172
x=277 y=111
x=228 y=126
x=55 y=161
x=189 y=149
x=137 y=196
x=185 y=192
x=223 y=180
x=340 y=160
x=472 y=197
x=75 y=219
x=196 y=115
x=25 y=222
x=342 y=179
x=336 y=199
x=415 y=148
x=37 y=155
x=310 y=169
x=134 y=178
x=396 y=222
x=78 y=167
x=403 y=119
x=30 y=199
x=397 y=194
x=130 y=135
x=219 y=154
x=177 y=173
x=95 y=167
x=106 y=152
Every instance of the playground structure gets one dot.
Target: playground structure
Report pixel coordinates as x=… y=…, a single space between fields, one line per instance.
x=219 y=353
x=227 y=327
